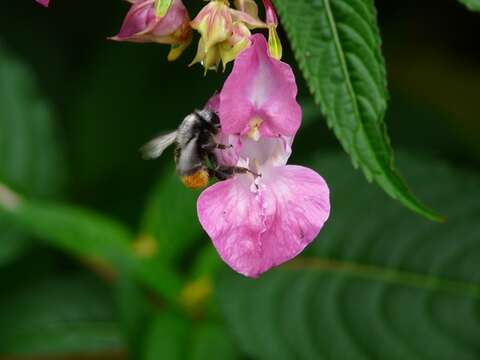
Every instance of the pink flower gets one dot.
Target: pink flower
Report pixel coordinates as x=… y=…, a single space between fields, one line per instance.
x=267 y=216
x=43 y=2
x=259 y=95
x=143 y=24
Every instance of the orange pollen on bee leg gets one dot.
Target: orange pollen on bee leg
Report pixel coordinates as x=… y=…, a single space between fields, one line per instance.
x=197 y=180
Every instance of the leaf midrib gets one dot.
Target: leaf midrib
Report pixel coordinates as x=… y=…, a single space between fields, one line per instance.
x=388 y=275
x=387 y=172
x=351 y=92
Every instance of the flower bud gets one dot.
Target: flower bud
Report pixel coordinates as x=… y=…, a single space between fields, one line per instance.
x=214 y=23
x=247 y=6
x=159 y=21
x=224 y=31
x=239 y=41
x=274 y=43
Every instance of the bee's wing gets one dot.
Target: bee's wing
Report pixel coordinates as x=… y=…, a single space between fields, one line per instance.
x=154 y=148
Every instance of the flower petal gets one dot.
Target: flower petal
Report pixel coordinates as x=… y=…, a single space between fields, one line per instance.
x=231 y=215
x=43 y=2
x=296 y=205
x=214 y=23
x=137 y=20
x=255 y=230
x=260 y=88
x=176 y=22
x=231 y=155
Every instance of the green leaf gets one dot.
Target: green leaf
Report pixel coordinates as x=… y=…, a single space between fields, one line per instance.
x=378 y=283
x=98 y=240
x=213 y=342
x=58 y=315
x=337 y=45
x=171 y=218
x=30 y=158
x=172 y=336
x=168 y=338
x=206 y=263
x=473 y=5
x=135 y=312
x=12 y=242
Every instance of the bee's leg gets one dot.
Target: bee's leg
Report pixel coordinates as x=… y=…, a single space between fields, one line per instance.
x=210 y=146
x=223 y=147
x=226 y=172
x=218 y=174
x=242 y=170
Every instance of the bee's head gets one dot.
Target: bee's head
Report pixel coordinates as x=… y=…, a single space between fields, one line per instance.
x=210 y=117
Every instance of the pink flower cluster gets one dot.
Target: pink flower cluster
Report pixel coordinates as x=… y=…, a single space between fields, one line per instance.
x=267 y=215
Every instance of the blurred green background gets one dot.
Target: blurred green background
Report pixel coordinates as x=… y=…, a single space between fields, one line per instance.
x=134 y=276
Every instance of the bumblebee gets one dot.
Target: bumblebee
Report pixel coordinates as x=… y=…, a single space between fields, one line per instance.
x=195 y=142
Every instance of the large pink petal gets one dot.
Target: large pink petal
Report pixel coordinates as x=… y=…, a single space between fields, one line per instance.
x=254 y=231
x=43 y=2
x=296 y=204
x=231 y=215
x=260 y=86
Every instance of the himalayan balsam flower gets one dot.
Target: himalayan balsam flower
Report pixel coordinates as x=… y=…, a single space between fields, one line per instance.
x=143 y=24
x=43 y=2
x=224 y=31
x=261 y=219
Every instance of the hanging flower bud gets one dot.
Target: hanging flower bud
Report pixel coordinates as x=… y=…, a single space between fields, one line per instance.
x=274 y=44
x=224 y=32
x=161 y=21
x=214 y=23
x=43 y=2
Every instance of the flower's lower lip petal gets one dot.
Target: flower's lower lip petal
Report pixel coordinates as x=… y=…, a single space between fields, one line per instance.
x=230 y=214
x=255 y=231
x=296 y=206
